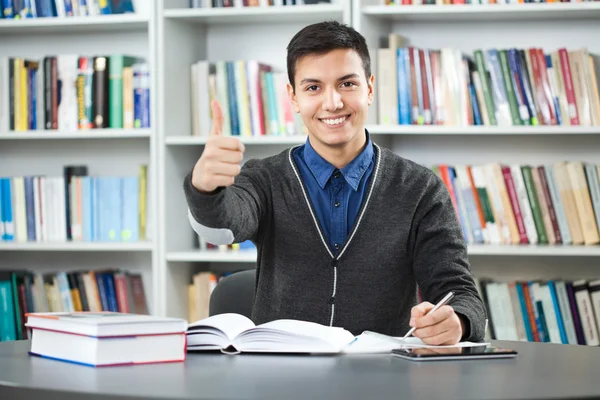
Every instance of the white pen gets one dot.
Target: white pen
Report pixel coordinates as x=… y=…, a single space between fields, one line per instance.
x=438 y=305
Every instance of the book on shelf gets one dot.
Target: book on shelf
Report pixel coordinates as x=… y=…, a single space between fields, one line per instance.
x=27 y=9
x=74 y=93
x=550 y=204
x=23 y=292
x=74 y=207
x=106 y=338
x=252 y=95
x=491 y=87
x=556 y=311
x=252 y=3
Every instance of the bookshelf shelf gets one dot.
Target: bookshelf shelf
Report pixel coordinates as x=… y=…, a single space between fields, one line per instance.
x=90 y=134
x=261 y=140
x=75 y=246
x=245 y=256
x=105 y=23
x=491 y=12
x=248 y=256
x=482 y=130
x=255 y=15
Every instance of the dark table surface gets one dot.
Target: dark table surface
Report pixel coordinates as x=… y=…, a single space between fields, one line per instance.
x=541 y=371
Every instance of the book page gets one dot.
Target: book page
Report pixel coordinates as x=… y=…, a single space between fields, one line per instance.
x=371 y=342
x=336 y=337
x=230 y=324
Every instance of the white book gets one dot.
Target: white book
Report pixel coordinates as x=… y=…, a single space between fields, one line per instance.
x=559 y=209
x=20 y=212
x=235 y=333
x=105 y=338
x=549 y=313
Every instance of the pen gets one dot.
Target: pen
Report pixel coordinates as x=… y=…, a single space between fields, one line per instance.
x=438 y=305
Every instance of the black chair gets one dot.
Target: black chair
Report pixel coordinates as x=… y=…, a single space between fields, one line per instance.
x=234 y=294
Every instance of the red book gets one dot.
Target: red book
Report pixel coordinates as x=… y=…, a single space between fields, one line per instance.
x=568 y=79
x=514 y=201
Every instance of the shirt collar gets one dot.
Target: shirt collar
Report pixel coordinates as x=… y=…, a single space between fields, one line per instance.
x=352 y=173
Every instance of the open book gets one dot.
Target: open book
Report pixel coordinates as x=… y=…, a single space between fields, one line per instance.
x=234 y=333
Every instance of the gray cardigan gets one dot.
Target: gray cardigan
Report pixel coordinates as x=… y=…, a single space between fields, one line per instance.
x=406 y=235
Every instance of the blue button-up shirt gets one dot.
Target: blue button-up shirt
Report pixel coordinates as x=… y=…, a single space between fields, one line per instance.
x=336 y=195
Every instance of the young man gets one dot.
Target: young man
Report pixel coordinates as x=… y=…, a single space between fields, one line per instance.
x=345 y=230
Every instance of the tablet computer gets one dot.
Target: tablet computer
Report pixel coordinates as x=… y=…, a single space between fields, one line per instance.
x=454 y=353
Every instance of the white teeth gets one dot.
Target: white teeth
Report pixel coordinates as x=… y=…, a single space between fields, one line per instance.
x=334 y=121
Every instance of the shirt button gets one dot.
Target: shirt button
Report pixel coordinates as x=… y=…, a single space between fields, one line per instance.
x=336 y=245
x=336 y=175
x=336 y=204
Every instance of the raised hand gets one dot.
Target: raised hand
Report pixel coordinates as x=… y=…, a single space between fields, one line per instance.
x=221 y=159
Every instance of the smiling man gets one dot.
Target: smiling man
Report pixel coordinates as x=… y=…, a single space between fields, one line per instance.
x=345 y=230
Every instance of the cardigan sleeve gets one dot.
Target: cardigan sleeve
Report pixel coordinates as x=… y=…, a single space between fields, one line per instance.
x=229 y=214
x=440 y=260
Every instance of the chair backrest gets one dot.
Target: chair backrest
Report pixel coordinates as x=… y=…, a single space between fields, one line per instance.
x=234 y=294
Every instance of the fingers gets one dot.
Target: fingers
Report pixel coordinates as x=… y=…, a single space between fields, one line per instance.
x=439 y=315
x=228 y=156
x=222 y=168
x=420 y=310
x=449 y=337
x=225 y=142
x=217 y=114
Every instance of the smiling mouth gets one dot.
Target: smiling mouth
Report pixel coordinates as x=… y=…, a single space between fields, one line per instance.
x=335 y=122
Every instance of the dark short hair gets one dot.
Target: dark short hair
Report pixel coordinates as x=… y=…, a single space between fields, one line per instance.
x=323 y=37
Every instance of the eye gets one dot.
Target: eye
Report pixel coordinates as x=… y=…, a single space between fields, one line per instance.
x=349 y=84
x=312 y=88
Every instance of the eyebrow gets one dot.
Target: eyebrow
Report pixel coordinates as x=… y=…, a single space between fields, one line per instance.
x=343 y=78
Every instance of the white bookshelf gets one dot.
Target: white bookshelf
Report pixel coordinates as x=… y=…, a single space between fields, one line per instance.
x=249 y=256
x=76 y=246
x=567 y=131
x=469 y=27
x=95 y=24
x=185 y=37
x=106 y=152
x=172 y=37
x=89 y=134
x=480 y=12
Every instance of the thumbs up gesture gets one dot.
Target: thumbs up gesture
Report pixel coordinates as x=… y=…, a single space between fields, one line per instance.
x=220 y=161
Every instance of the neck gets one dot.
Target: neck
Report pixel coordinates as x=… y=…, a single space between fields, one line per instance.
x=340 y=155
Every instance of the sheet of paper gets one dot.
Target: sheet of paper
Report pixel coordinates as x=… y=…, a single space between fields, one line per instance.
x=374 y=343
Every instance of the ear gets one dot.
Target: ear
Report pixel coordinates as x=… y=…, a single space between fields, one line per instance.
x=371 y=85
x=292 y=97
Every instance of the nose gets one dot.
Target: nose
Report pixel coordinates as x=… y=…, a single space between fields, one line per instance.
x=332 y=100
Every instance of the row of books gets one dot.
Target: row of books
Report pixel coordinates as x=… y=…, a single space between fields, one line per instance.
x=24 y=292
x=526 y=204
x=251 y=3
x=504 y=87
x=71 y=93
x=74 y=207
x=22 y=9
x=555 y=311
x=253 y=97
x=451 y=2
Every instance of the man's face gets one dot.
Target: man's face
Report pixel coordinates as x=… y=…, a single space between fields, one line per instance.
x=332 y=96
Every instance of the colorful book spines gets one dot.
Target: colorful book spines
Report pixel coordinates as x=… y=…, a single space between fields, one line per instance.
x=525 y=204
x=106 y=92
x=504 y=87
x=107 y=209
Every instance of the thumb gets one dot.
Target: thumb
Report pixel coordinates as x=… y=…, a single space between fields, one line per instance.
x=217 y=116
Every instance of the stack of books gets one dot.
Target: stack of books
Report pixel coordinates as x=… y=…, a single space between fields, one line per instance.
x=107 y=338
